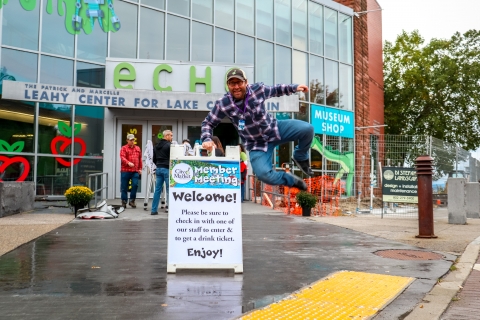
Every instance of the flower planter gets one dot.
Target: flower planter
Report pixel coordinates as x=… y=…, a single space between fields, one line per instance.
x=306 y=211
x=78 y=197
x=306 y=201
x=78 y=207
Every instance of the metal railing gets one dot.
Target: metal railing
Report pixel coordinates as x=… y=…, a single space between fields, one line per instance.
x=98 y=186
x=260 y=193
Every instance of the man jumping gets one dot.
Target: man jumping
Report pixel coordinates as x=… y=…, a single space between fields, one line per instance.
x=244 y=105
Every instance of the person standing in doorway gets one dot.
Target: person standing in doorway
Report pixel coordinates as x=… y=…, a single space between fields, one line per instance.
x=219 y=151
x=161 y=157
x=243 y=154
x=244 y=105
x=187 y=147
x=243 y=168
x=131 y=169
x=243 y=178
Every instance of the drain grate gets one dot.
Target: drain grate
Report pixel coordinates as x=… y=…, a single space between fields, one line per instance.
x=409 y=255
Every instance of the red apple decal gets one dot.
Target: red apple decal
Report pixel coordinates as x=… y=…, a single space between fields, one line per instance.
x=66 y=140
x=5 y=161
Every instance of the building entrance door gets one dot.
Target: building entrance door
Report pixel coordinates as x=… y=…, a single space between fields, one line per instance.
x=143 y=131
x=192 y=131
x=225 y=131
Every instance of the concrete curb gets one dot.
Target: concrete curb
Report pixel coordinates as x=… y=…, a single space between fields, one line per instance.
x=434 y=304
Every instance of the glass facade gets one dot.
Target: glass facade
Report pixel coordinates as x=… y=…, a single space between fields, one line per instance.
x=300 y=41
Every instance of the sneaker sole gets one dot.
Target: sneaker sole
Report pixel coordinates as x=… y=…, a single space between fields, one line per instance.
x=300 y=167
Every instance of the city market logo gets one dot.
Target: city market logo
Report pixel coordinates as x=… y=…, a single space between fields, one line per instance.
x=66 y=139
x=388 y=175
x=6 y=162
x=79 y=14
x=182 y=173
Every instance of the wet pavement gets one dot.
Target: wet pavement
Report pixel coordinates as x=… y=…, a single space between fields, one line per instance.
x=116 y=269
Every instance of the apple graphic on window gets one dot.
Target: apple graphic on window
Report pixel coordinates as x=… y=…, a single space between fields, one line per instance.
x=66 y=140
x=6 y=161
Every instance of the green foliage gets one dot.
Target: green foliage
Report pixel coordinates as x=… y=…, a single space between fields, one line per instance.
x=305 y=199
x=434 y=89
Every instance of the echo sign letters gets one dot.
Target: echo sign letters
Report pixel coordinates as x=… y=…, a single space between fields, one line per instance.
x=332 y=122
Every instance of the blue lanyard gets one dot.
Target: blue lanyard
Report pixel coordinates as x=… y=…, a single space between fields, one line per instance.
x=245 y=102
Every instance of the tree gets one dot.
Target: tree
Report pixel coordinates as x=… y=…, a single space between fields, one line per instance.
x=434 y=89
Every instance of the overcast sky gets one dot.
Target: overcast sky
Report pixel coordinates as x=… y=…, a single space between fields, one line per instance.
x=432 y=18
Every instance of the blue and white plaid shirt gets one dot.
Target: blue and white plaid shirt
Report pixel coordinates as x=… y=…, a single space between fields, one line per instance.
x=260 y=127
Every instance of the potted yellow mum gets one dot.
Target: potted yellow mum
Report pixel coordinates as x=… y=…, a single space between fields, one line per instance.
x=78 y=197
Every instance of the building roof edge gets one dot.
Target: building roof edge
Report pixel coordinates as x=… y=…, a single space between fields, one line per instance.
x=336 y=6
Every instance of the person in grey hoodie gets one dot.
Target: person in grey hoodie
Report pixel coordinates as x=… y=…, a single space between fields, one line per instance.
x=161 y=157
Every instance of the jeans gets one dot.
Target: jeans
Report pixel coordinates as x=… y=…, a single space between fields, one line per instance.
x=290 y=130
x=124 y=178
x=242 y=190
x=162 y=176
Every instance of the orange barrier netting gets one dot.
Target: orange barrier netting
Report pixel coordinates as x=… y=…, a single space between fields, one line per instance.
x=328 y=200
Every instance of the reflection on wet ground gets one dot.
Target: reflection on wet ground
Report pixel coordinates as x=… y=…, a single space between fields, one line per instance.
x=117 y=270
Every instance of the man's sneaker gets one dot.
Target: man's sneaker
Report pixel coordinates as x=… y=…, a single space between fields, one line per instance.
x=166 y=209
x=132 y=204
x=124 y=204
x=299 y=183
x=304 y=166
x=154 y=213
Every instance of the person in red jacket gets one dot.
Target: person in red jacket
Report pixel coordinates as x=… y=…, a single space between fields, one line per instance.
x=243 y=178
x=131 y=168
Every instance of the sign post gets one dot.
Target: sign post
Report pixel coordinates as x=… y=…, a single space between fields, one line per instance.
x=205 y=214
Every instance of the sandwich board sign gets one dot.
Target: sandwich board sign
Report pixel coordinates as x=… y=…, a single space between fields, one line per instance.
x=205 y=214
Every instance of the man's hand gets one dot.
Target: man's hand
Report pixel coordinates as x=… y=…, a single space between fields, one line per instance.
x=130 y=164
x=302 y=88
x=139 y=171
x=208 y=145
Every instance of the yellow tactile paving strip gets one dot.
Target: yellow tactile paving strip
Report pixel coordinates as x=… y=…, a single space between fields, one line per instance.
x=342 y=295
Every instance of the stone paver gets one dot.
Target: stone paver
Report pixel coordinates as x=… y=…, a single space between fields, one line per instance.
x=18 y=229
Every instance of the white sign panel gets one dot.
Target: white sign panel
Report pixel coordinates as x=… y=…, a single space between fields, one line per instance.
x=205 y=218
x=174 y=76
x=125 y=98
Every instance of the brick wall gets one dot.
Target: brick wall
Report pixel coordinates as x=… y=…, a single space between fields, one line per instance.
x=369 y=103
x=361 y=74
x=375 y=66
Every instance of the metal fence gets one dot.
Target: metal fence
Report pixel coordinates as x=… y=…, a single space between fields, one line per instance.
x=348 y=174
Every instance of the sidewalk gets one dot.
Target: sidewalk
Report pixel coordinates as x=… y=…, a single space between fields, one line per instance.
x=21 y=228
x=116 y=269
x=451 y=294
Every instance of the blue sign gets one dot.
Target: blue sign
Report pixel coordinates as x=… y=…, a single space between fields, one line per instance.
x=332 y=121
